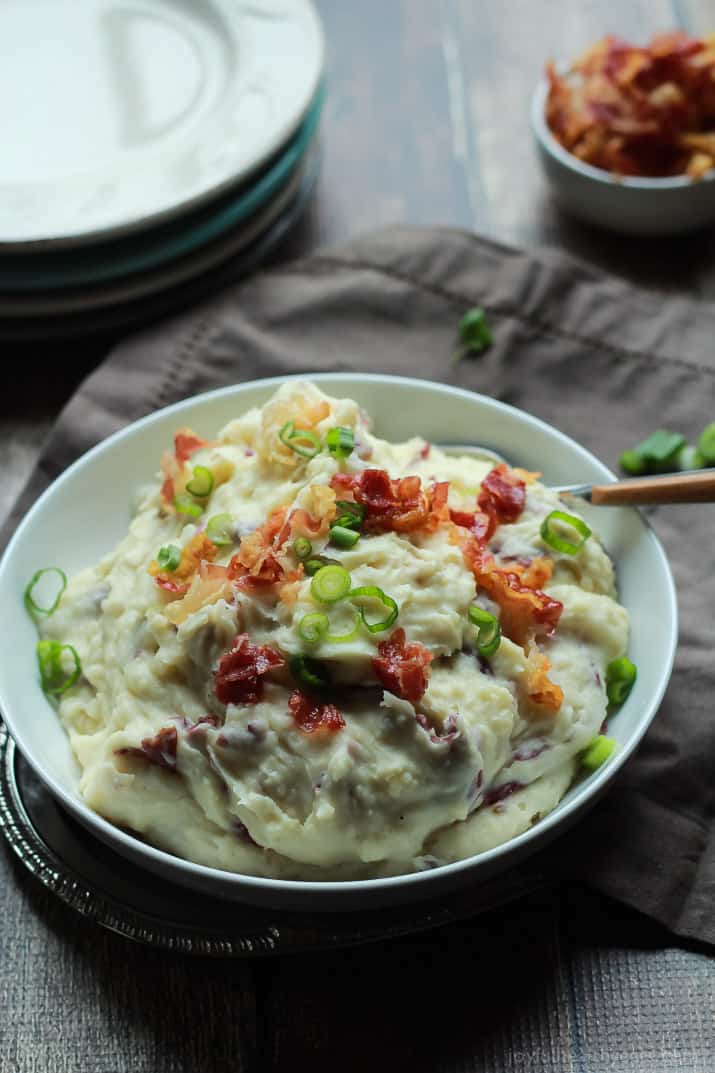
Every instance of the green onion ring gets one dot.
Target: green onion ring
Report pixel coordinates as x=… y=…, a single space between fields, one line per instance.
x=49 y=660
x=302 y=547
x=303 y=441
x=316 y=563
x=373 y=592
x=341 y=537
x=313 y=627
x=184 y=504
x=201 y=483
x=340 y=441
x=221 y=530
x=597 y=752
x=558 y=543
x=309 y=672
x=489 y=636
x=330 y=584
x=169 y=557
x=620 y=676
x=32 y=606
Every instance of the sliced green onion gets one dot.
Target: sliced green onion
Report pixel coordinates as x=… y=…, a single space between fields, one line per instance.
x=620 y=676
x=597 y=752
x=221 y=530
x=552 y=538
x=316 y=563
x=169 y=557
x=309 y=672
x=661 y=446
x=372 y=592
x=343 y=638
x=340 y=441
x=706 y=444
x=349 y=515
x=689 y=457
x=31 y=604
x=342 y=537
x=633 y=463
x=474 y=333
x=53 y=676
x=201 y=483
x=184 y=504
x=313 y=627
x=330 y=584
x=302 y=547
x=489 y=636
x=303 y=441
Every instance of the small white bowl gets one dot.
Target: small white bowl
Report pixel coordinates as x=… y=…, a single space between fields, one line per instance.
x=86 y=512
x=632 y=206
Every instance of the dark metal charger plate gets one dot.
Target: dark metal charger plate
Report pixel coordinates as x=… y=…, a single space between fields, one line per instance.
x=118 y=895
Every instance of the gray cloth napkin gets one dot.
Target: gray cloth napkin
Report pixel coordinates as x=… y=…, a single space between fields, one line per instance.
x=601 y=360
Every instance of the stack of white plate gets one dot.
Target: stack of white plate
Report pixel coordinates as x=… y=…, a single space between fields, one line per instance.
x=146 y=145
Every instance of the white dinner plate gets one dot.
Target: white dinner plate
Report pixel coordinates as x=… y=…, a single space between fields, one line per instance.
x=142 y=284
x=121 y=114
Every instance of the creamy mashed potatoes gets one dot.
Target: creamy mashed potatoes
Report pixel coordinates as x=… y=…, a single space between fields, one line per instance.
x=231 y=711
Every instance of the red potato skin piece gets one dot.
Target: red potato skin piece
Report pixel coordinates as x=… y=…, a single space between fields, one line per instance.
x=159 y=749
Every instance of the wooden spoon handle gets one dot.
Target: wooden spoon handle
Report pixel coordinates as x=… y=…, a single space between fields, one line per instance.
x=698 y=487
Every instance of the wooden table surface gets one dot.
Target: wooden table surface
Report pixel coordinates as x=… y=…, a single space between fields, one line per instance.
x=426 y=122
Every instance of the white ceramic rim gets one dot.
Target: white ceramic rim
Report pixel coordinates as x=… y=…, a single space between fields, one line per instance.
x=413 y=879
x=555 y=149
x=64 y=236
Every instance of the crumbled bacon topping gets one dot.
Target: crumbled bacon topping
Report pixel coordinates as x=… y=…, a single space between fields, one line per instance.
x=312 y=716
x=479 y=524
x=638 y=110
x=402 y=666
x=159 y=749
x=541 y=691
x=502 y=494
x=198 y=551
x=398 y=505
x=523 y=610
x=185 y=443
x=239 y=677
x=258 y=561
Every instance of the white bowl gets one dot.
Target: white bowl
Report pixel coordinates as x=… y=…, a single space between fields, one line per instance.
x=632 y=206
x=86 y=511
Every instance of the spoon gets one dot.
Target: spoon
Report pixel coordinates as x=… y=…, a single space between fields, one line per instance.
x=690 y=486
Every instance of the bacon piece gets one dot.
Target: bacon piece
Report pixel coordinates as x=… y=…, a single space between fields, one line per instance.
x=502 y=494
x=402 y=666
x=176 y=588
x=540 y=690
x=398 y=505
x=311 y=716
x=198 y=551
x=239 y=677
x=534 y=574
x=523 y=610
x=479 y=524
x=159 y=749
x=167 y=490
x=257 y=563
x=185 y=443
